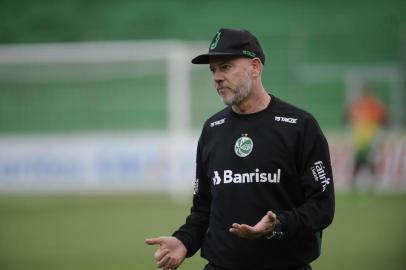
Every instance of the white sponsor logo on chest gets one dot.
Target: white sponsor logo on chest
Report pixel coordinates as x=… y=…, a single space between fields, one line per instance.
x=228 y=177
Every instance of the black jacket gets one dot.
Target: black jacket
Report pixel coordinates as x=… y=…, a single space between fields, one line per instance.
x=276 y=159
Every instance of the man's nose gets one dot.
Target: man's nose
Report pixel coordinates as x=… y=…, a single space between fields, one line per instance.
x=218 y=76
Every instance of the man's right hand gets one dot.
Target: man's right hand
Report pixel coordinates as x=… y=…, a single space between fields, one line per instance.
x=171 y=251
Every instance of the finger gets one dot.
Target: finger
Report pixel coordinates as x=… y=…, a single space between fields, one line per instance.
x=164 y=261
x=171 y=264
x=271 y=215
x=238 y=231
x=159 y=254
x=154 y=241
x=236 y=225
x=245 y=227
x=234 y=228
x=175 y=264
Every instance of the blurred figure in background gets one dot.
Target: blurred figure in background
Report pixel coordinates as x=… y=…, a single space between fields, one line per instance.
x=366 y=115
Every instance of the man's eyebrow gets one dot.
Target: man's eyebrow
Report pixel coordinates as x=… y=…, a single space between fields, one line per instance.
x=220 y=63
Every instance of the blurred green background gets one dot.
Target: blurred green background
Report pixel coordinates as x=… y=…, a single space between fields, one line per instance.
x=107 y=231
x=339 y=34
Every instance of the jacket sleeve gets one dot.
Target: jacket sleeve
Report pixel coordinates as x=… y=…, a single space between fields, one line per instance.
x=316 y=180
x=192 y=232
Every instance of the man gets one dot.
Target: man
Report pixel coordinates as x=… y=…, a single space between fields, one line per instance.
x=263 y=189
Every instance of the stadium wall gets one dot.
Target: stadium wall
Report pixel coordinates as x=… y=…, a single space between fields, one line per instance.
x=154 y=162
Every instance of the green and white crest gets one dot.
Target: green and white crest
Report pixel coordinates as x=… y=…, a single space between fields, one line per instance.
x=243 y=146
x=215 y=41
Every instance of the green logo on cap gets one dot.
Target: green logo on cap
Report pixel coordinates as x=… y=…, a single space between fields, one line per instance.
x=249 y=53
x=215 y=41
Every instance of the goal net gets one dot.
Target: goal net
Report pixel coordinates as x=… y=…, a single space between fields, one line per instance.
x=101 y=115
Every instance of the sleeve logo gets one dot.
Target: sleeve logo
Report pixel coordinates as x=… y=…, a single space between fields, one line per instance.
x=319 y=174
x=196 y=186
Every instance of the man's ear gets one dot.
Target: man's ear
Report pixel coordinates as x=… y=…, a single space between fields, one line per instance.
x=257 y=67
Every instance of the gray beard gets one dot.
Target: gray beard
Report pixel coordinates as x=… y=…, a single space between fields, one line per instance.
x=241 y=92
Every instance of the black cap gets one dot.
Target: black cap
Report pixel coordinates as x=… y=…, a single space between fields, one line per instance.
x=232 y=42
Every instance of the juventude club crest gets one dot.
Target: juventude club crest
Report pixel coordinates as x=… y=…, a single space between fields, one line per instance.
x=215 y=40
x=243 y=146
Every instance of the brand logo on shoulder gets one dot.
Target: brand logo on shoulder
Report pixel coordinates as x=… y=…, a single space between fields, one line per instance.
x=218 y=122
x=285 y=119
x=228 y=177
x=243 y=146
x=319 y=174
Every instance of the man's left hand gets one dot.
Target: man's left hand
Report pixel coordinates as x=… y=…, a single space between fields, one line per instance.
x=264 y=227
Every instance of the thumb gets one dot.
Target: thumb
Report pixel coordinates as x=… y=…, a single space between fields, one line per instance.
x=154 y=241
x=271 y=215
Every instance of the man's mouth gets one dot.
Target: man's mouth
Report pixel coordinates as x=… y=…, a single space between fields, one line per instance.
x=221 y=88
x=221 y=91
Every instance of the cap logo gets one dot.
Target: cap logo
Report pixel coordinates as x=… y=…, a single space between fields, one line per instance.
x=249 y=53
x=215 y=41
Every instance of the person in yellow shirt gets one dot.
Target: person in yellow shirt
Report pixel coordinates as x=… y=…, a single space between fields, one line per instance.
x=366 y=115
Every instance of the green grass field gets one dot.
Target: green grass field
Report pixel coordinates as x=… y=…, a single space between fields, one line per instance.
x=108 y=232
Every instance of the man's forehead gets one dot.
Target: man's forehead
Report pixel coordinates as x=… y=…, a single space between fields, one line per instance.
x=218 y=60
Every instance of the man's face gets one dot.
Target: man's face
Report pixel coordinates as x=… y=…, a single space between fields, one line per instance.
x=232 y=78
